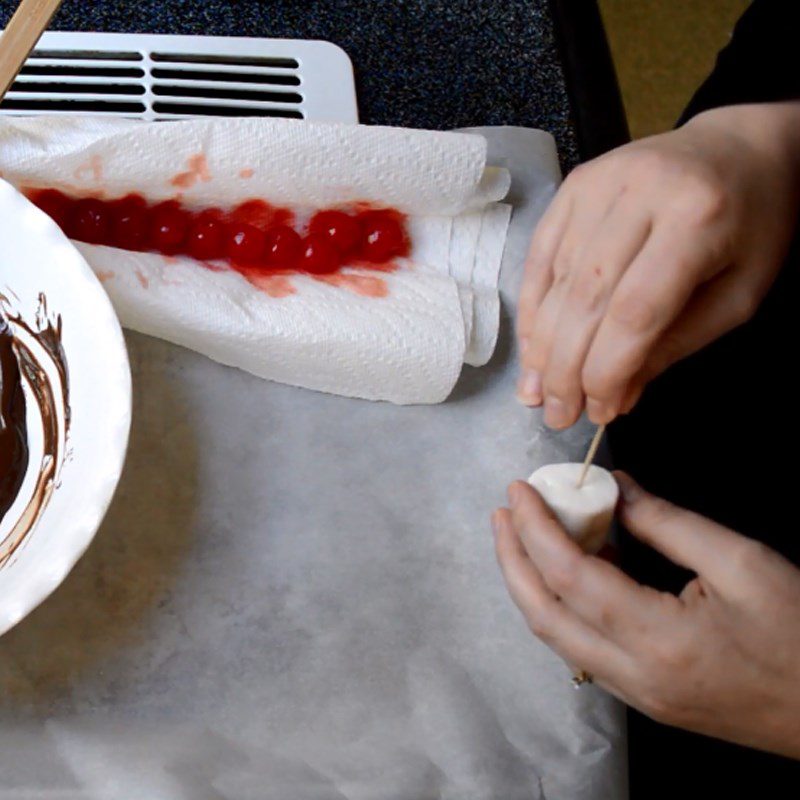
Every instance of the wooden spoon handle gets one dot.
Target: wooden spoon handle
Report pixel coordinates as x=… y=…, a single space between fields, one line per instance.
x=20 y=37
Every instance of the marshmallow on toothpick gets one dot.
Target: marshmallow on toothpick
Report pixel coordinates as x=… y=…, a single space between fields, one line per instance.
x=585 y=512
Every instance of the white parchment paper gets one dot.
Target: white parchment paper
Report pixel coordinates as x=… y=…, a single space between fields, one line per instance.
x=295 y=597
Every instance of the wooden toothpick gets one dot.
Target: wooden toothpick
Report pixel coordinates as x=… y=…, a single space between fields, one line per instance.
x=587 y=462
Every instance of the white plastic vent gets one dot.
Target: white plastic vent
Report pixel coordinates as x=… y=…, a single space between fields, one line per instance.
x=157 y=77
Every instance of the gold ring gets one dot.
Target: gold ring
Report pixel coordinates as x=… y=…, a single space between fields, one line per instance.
x=580 y=678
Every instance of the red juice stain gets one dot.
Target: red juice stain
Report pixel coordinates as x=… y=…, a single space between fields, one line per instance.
x=105 y=275
x=363 y=285
x=197 y=170
x=142 y=278
x=245 y=174
x=276 y=286
x=386 y=266
x=94 y=166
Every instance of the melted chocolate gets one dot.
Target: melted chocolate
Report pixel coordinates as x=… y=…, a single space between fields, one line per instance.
x=29 y=354
x=13 y=430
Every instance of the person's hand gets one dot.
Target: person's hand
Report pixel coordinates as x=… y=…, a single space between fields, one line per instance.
x=721 y=659
x=652 y=251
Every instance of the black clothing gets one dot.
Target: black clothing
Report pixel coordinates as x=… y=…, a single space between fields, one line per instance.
x=709 y=434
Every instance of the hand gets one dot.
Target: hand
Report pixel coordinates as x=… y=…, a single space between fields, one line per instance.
x=652 y=251
x=721 y=659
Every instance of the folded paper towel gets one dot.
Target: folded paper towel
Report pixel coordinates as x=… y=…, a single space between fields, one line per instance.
x=440 y=310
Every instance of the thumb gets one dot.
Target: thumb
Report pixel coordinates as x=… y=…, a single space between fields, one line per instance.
x=686 y=538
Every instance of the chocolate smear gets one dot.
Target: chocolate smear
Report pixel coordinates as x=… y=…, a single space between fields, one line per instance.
x=31 y=357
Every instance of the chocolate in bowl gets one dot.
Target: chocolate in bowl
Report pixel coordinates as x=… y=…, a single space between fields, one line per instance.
x=33 y=358
x=65 y=401
x=13 y=427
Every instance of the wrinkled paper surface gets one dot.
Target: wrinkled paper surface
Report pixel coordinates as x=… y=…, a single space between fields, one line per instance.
x=295 y=597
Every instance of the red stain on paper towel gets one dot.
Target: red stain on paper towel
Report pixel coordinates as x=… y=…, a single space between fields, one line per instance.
x=105 y=275
x=247 y=173
x=273 y=285
x=197 y=171
x=93 y=166
x=363 y=285
x=142 y=278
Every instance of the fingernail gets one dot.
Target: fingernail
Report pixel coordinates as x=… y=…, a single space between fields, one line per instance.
x=555 y=412
x=529 y=388
x=598 y=412
x=628 y=488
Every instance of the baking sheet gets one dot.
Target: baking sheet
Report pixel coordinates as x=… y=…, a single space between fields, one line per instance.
x=295 y=597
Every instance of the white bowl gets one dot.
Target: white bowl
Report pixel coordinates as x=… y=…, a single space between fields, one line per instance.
x=36 y=257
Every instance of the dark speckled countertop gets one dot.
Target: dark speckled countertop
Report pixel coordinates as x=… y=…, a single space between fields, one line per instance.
x=418 y=63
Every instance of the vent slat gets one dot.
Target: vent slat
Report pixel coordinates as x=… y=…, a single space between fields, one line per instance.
x=232 y=60
x=76 y=73
x=20 y=88
x=69 y=96
x=205 y=110
x=85 y=55
x=226 y=93
x=72 y=106
x=224 y=102
x=214 y=75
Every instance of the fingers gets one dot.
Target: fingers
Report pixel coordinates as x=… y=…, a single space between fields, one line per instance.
x=599 y=593
x=648 y=299
x=565 y=227
x=600 y=267
x=550 y=620
x=538 y=273
x=695 y=542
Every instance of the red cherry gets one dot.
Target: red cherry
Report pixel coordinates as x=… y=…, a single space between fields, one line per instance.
x=319 y=255
x=129 y=222
x=54 y=203
x=245 y=244
x=283 y=247
x=206 y=238
x=382 y=236
x=169 y=224
x=342 y=229
x=89 y=221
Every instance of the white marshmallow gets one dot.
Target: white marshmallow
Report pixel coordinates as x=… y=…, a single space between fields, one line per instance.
x=587 y=512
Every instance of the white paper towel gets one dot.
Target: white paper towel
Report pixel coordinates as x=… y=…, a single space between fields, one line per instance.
x=440 y=310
